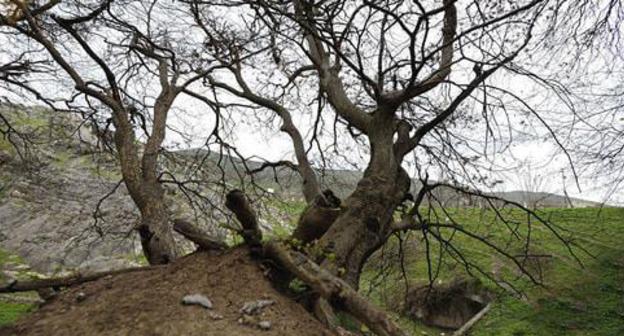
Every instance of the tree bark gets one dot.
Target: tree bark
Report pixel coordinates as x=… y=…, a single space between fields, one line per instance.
x=238 y=203
x=197 y=236
x=26 y=286
x=156 y=234
x=335 y=290
x=364 y=225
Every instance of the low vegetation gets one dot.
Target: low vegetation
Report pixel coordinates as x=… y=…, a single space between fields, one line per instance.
x=576 y=297
x=12 y=306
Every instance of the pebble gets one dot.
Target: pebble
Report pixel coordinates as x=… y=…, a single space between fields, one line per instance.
x=254 y=307
x=264 y=325
x=81 y=296
x=197 y=299
x=215 y=316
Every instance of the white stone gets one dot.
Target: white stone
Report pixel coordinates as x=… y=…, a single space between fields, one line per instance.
x=197 y=299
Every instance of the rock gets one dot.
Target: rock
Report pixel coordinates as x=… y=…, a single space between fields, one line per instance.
x=16 y=194
x=447 y=306
x=81 y=296
x=264 y=325
x=197 y=299
x=254 y=307
x=21 y=267
x=4 y=157
x=215 y=316
x=97 y=263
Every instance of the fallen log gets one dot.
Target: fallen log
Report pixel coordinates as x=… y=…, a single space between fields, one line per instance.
x=67 y=281
x=461 y=331
x=334 y=289
x=197 y=236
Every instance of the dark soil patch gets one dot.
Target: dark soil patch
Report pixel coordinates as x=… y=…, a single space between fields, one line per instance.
x=149 y=303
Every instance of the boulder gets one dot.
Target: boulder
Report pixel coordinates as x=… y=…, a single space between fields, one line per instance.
x=447 y=306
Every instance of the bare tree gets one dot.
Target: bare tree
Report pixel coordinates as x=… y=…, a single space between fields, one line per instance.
x=138 y=56
x=410 y=83
x=404 y=82
x=379 y=66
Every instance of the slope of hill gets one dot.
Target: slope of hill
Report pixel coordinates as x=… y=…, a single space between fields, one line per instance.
x=576 y=297
x=47 y=207
x=545 y=200
x=48 y=200
x=343 y=182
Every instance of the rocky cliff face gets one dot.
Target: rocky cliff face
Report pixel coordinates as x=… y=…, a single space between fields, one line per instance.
x=48 y=197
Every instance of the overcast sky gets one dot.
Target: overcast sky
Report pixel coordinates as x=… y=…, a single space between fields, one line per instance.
x=533 y=160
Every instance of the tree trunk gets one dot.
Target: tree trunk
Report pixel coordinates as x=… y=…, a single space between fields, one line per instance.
x=140 y=177
x=156 y=233
x=365 y=224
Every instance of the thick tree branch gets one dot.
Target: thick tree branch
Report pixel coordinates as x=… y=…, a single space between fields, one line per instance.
x=311 y=186
x=446 y=61
x=197 y=236
x=25 y=286
x=334 y=289
x=330 y=81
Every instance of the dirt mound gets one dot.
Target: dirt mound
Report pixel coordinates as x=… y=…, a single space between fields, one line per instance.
x=149 y=303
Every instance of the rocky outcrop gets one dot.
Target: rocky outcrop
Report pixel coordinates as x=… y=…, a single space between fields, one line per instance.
x=447 y=306
x=48 y=200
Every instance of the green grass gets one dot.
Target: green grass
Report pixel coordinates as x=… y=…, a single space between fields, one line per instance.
x=286 y=214
x=34 y=122
x=585 y=298
x=10 y=312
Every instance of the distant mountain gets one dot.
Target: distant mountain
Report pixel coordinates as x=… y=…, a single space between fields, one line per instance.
x=343 y=183
x=545 y=200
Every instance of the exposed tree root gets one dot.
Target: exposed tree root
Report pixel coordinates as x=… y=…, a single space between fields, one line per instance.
x=328 y=286
x=238 y=203
x=334 y=289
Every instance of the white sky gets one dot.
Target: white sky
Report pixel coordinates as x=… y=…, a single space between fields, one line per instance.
x=528 y=158
x=539 y=161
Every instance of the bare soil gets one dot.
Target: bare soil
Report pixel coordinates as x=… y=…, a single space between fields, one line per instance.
x=149 y=302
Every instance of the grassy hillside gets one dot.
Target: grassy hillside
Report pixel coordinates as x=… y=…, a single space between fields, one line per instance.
x=12 y=306
x=585 y=298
